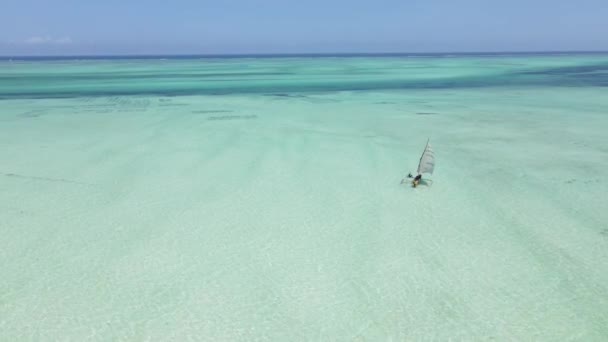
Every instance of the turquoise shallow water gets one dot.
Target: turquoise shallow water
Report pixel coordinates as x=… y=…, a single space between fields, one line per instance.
x=259 y=198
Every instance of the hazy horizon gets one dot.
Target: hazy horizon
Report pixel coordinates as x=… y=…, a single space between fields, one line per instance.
x=307 y=54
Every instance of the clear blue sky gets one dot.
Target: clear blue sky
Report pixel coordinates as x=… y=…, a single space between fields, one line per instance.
x=284 y=26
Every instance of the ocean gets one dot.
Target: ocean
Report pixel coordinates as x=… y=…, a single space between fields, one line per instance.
x=259 y=197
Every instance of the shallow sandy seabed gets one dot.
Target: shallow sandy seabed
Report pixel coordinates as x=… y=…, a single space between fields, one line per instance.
x=281 y=217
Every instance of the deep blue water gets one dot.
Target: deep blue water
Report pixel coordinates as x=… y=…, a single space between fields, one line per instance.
x=64 y=77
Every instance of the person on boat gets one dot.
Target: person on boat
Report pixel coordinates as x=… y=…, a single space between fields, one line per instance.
x=416 y=180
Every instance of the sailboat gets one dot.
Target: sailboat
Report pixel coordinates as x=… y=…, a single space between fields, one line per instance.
x=426 y=164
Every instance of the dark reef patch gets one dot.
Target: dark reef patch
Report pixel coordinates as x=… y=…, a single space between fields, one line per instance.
x=286 y=95
x=33 y=113
x=211 y=111
x=232 y=117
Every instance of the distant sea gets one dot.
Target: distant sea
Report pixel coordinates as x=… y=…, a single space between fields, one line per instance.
x=261 y=197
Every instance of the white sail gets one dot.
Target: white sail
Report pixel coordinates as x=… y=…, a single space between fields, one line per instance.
x=427 y=160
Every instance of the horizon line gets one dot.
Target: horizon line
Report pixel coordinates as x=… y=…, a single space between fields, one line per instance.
x=306 y=54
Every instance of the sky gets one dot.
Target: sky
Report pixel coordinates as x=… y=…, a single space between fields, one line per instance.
x=94 y=27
